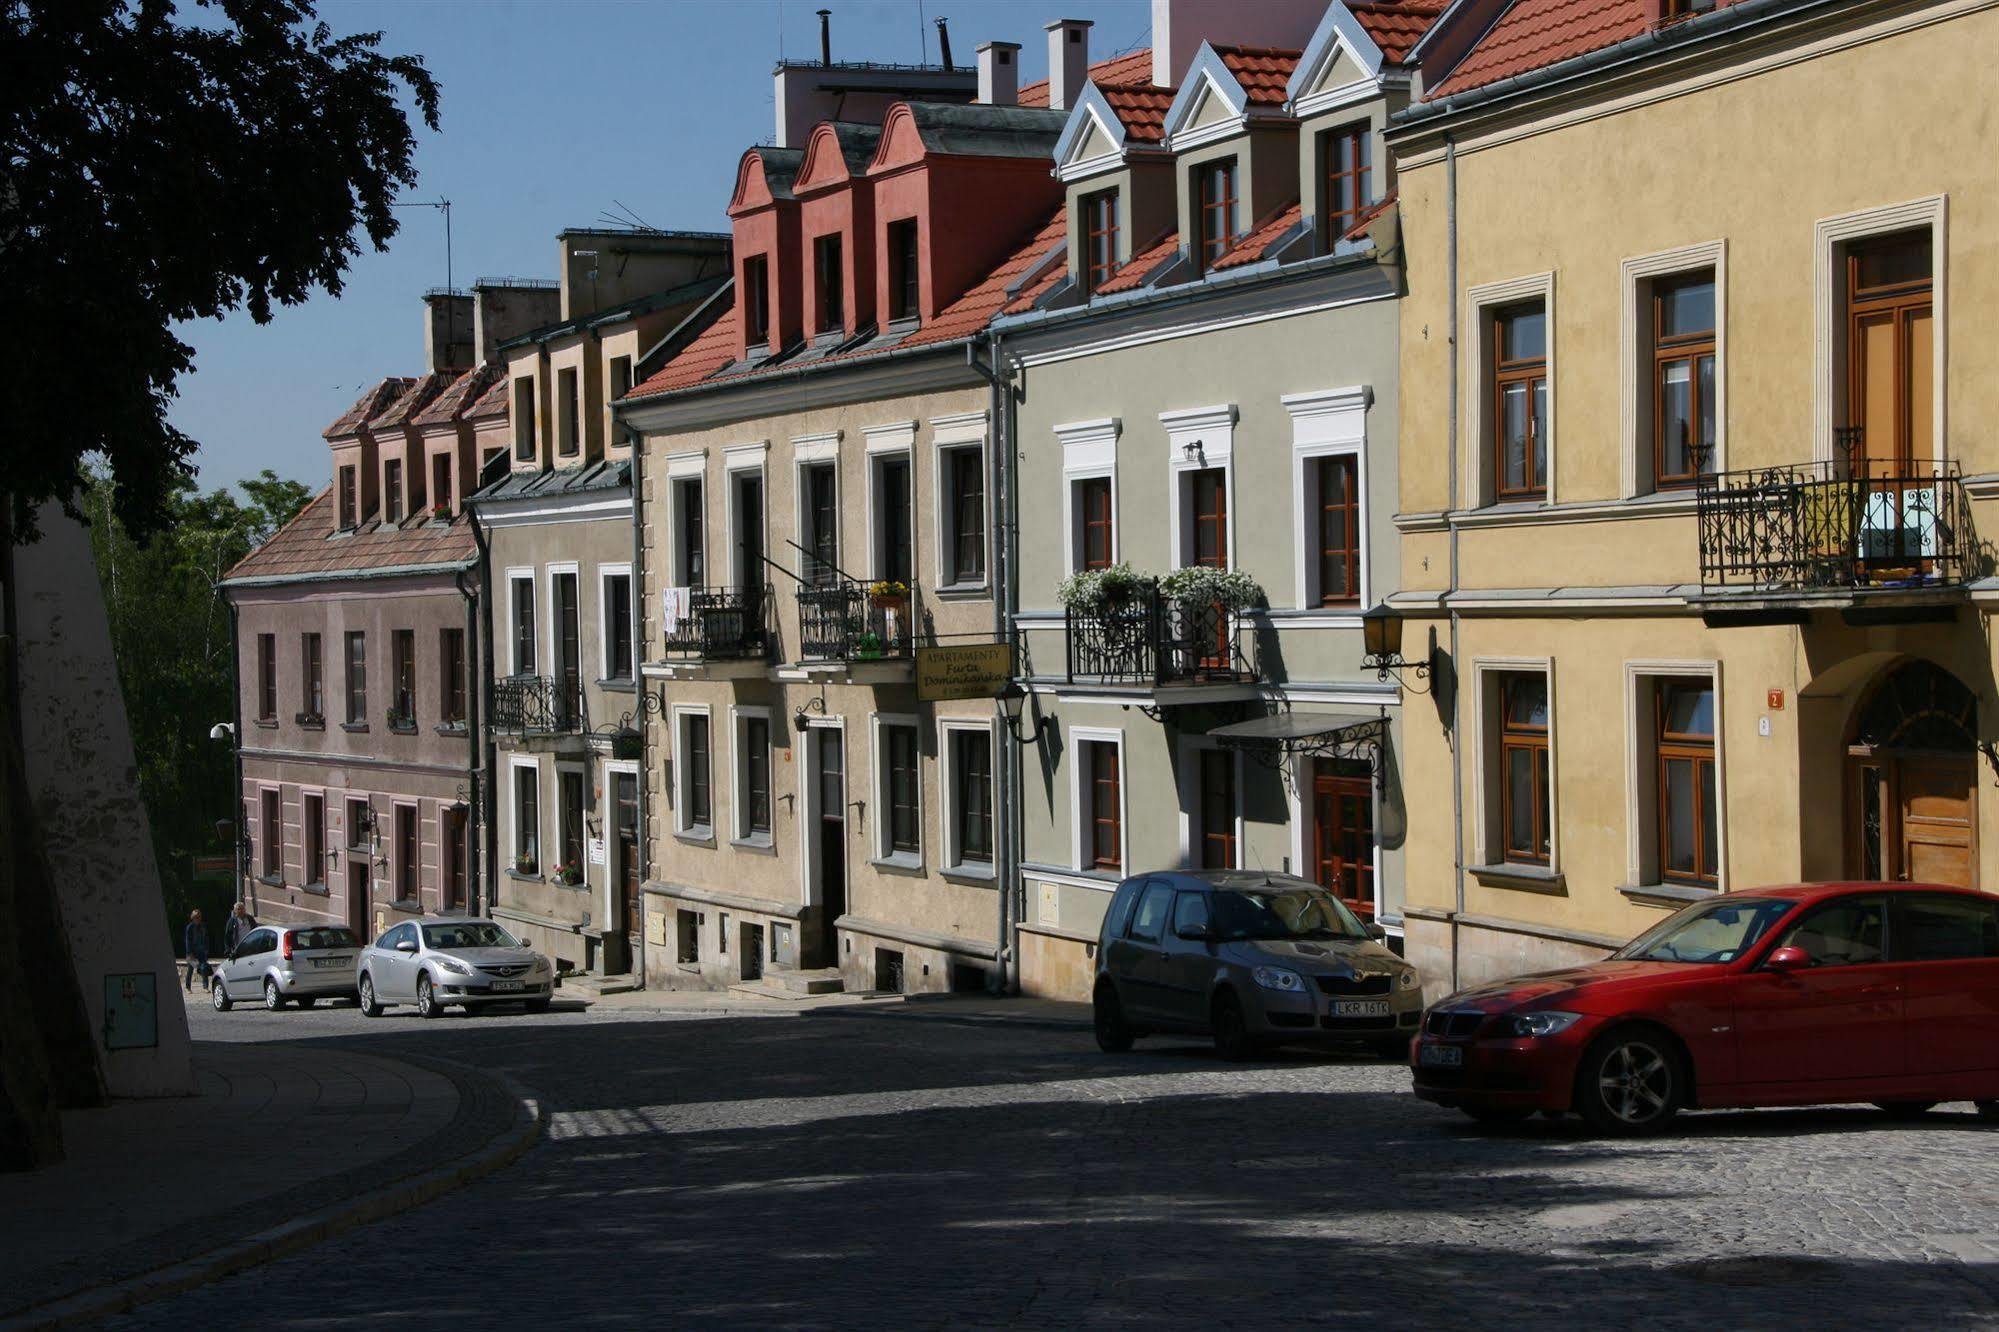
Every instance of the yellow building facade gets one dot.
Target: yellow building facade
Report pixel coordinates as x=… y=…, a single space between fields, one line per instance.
x=1698 y=391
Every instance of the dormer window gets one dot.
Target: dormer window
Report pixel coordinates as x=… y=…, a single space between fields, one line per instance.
x=1216 y=210
x=523 y=412
x=1348 y=154
x=756 y=300
x=902 y=270
x=1100 y=227
x=827 y=284
x=350 y=506
x=392 y=490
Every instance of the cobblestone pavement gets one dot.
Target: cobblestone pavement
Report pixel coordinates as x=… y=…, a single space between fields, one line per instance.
x=906 y=1167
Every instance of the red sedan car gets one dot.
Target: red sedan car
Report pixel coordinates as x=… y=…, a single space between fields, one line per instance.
x=1809 y=994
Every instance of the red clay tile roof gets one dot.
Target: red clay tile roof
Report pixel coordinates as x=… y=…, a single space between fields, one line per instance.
x=1056 y=271
x=1141 y=265
x=1260 y=238
x=368 y=406
x=419 y=396
x=715 y=348
x=1141 y=107
x=1262 y=71
x=457 y=402
x=305 y=546
x=1397 y=25
x=1535 y=33
x=979 y=306
x=491 y=403
x=1133 y=67
x=1359 y=225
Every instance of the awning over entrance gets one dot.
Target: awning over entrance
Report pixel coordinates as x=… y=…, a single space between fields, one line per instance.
x=1327 y=734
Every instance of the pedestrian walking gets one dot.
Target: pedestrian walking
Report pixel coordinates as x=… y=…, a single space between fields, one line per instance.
x=241 y=922
x=194 y=946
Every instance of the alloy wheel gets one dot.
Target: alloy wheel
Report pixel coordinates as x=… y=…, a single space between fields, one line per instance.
x=272 y=999
x=1636 y=1086
x=426 y=998
x=369 y=1008
x=217 y=996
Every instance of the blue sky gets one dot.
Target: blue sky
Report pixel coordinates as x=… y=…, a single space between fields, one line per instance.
x=554 y=111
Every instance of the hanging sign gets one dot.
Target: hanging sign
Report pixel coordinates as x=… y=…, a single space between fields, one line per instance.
x=963 y=670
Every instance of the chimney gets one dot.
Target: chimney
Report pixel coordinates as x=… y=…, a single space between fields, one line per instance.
x=447 y=330
x=944 y=40
x=1068 y=61
x=826 y=38
x=999 y=73
x=504 y=309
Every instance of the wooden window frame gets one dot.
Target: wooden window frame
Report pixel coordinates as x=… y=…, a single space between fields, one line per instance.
x=572 y=836
x=1215 y=518
x=829 y=282
x=756 y=300
x=1522 y=738
x=905 y=264
x=271 y=822
x=1340 y=219
x=1100 y=238
x=408 y=853
x=961 y=810
x=402 y=674
x=1105 y=807
x=392 y=490
x=1699 y=750
x=1666 y=350
x=350 y=497
x=1348 y=557
x=1211 y=211
x=1217 y=842
x=1898 y=302
x=1506 y=373
x=527 y=817
x=694 y=785
x=1089 y=489
x=965 y=553
x=615 y=587
x=522 y=408
x=524 y=648
x=312 y=676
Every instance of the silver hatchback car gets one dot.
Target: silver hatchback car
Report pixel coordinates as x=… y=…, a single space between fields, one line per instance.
x=447 y=960
x=1251 y=958
x=286 y=963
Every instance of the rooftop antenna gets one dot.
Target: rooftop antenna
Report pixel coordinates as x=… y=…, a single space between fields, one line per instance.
x=922 y=37
x=443 y=205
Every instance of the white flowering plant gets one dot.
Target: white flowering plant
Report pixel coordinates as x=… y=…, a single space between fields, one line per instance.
x=1202 y=586
x=1098 y=589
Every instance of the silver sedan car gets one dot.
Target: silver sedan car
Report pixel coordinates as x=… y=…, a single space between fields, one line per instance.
x=283 y=964
x=439 y=962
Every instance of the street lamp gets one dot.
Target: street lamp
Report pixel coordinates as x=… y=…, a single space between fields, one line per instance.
x=1012 y=700
x=1381 y=643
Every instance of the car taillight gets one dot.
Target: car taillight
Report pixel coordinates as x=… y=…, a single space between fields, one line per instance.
x=286 y=945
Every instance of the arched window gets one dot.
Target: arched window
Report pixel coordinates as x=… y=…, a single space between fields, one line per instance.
x=1919 y=705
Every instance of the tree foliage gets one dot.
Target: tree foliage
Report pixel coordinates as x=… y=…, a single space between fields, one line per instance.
x=153 y=171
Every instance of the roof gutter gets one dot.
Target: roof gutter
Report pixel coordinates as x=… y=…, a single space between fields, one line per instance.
x=351 y=575
x=752 y=382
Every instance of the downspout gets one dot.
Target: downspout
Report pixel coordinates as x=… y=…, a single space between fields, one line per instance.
x=1450 y=595
x=473 y=767
x=999 y=469
x=235 y=739
x=489 y=827
x=637 y=582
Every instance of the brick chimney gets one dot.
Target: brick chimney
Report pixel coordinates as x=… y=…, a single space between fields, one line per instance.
x=999 y=73
x=1068 y=61
x=447 y=330
x=506 y=309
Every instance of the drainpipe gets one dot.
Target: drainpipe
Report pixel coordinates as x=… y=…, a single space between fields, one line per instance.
x=638 y=677
x=1450 y=596
x=999 y=471
x=489 y=828
x=473 y=767
x=235 y=737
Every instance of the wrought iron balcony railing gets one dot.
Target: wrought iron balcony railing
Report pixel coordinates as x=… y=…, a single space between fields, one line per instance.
x=1827 y=526
x=722 y=624
x=1151 y=638
x=850 y=620
x=538 y=704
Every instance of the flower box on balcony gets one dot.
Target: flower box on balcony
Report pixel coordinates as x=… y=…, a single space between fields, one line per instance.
x=569 y=876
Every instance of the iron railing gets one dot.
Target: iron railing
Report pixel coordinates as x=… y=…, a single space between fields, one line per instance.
x=538 y=704
x=844 y=620
x=722 y=624
x=1151 y=638
x=1826 y=525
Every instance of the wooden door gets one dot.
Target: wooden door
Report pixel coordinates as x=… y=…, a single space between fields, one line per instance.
x=1913 y=818
x=1343 y=834
x=625 y=801
x=832 y=832
x=569 y=662
x=359 y=909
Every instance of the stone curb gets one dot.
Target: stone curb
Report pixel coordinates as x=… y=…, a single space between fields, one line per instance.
x=303 y=1232
x=918 y=1006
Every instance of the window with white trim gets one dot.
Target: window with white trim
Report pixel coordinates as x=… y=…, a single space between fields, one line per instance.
x=1097 y=800
x=891 y=505
x=898 y=760
x=1518 y=740
x=688 y=565
x=521 y=604
x=968 y=794
x=615 y=587
x=527 y=818
x=962 y=497
x=1511 y=361
x=753 y=792
x=693 y=773
x=1675 y=777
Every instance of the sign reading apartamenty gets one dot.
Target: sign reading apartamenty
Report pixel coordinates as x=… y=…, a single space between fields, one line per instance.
x=963 y=670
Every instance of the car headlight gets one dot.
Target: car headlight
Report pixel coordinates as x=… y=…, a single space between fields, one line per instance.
x=1410 y=980
x=454 y=966
x=1277 y=978
x=1544 y=1023
x=540 y=965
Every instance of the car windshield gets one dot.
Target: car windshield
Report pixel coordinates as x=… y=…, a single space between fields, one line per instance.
x=1707 y=931
x=470 y=934
x=1293 y=911
x=324 y=937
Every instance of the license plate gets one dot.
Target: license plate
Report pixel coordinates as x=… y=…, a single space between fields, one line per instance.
x=1440 y=1056
x=320 y=962
x=505 y=987
x=1360 y=1008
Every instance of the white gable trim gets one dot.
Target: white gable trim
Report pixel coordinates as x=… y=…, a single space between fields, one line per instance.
x=1090 y=112
x=1206 y=77
x=1338 y=29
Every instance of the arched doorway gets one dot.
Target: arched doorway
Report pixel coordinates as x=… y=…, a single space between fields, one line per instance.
x=1912 y=770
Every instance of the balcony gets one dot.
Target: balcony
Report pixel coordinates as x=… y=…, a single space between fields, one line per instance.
x=539 y=706
x=1151 y=639
x=851 y=622
x=1779 y=542
x=724 y=632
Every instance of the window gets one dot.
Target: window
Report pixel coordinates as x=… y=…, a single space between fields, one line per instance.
x=527 y=819
x=1683 y=722
x=1936 y=928
x=829 y=284
x=903 y=297
x=621 y=377
x=392 y=489
x=267 y=677
x=1683 y=394
x=687 y=925
x=1349 y=163
x=1215 y=210
x=748 y=545
x=312 y=693
x=696 y=812
x=404 y=679
x=1890 y=354
x=273 y=827
x=965 y=515
x=970 y=755
x=617 y=591
x=350 y=499
x=1523 y=767
x=1670 y=10
x=1149 y=921
x=568 y=433
x=440 y=483
x=821 y=515
x=1100 y=238
x=1847 y=933
x=1103 y=834
x=753 y=746
x=569 y=825
x=1520 y=406
x=312 y=829
x=1336 y=505
x=905 y=813
x=451 y=677
x=523 y=415
x=359 y=817
x=524 y=624
x=689 y=539
x=756 y=300
x=1210 y=528
x=357 y=678
x=406 y=854
x=1217 y=849
x=1096 y=545
x=1190 y=913
x=895 y=551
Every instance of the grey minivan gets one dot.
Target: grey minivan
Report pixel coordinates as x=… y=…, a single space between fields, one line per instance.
x=1254 y=959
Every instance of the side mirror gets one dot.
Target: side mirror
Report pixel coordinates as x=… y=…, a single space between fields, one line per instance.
x=1196 y=933
x=1376 y=930
x=405 y=945
x=1786 y=960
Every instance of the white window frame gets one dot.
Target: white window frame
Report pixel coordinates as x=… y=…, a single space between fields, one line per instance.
x=682 y=466
x=556 y=769
x=1486 y=771
x=1636 y=278
x=682 y=828
x=1641 y=679
x=516 y=764
x=516 y=575
x=810 y=451
x=739 y=776
x=1089 y=452
x=887 y=443
x=551 y=631
x=1078 y=807
x=737 y=460
x=808 y=799
x=1831 y=237
x=879 y=724
x=1480 y=303
x=947 y=789
x=1191 y=749
x=949 y=435
x=1197 y=439
x=525 y=428
x=1324 y=424
x=605 y=573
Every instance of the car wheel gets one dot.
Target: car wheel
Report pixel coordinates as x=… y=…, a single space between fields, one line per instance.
x=1988 y=1111
x=272 y=999
x=1630 y=1084
x=1498 y=1114
x=365 y=997
x=1107 y=1014
x=1232 y=1038
x=218 y=997
x=426 y=998
x=537 y=1005
x=1905 y=1109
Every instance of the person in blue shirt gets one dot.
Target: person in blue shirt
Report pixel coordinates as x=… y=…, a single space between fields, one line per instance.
x=194 y=948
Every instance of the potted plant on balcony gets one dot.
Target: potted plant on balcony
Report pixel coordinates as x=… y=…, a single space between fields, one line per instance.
x=569 y=874
x=1231 y=589
x=525 y=863
x=889 y=594
x=1094 y=591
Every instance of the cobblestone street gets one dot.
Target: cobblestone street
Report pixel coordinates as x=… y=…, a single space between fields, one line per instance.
x=905 y=1166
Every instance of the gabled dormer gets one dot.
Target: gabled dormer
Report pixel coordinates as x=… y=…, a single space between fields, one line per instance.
x=836 y=260
x=1233 y=142
x=765 y=213
x=1112 y=160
